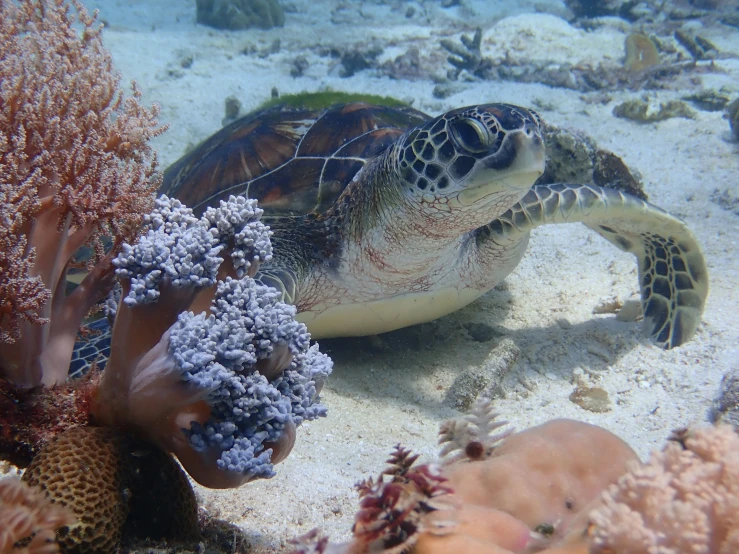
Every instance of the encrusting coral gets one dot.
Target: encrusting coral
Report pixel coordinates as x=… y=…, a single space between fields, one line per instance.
x=28 y=519
x=240 y=14
x=543 y=476
x=564 y=487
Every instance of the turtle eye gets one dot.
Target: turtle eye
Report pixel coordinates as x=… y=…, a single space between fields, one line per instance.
x=471 y=135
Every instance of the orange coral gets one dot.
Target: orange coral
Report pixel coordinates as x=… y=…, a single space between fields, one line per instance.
x=28 y=518
x=75 y=163
x=544 y=476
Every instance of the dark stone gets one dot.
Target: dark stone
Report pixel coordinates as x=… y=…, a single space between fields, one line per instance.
x=481 y=332
x=240 y=14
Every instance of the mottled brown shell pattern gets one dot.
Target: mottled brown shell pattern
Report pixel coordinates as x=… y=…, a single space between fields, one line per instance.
x=292 y=161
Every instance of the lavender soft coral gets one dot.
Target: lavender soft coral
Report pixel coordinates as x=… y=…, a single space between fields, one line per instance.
x=224 y=390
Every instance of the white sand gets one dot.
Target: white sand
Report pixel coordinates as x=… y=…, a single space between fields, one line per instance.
x=378 y=396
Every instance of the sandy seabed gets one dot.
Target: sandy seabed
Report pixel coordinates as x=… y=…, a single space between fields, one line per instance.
x=392 y=389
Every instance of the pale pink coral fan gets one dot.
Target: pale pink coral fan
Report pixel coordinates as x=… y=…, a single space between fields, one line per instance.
x=28 y=518
x=75 y=163
x=685 y=499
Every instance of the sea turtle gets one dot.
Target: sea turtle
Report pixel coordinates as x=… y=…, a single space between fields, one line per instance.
x=384 y=217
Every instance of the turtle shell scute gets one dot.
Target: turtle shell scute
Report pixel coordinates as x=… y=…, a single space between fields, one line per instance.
x=292 y=161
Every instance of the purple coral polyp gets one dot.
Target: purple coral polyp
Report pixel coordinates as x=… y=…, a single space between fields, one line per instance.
x=176 y=246
x=235 y=375
x=219 y=353
x=237 y=221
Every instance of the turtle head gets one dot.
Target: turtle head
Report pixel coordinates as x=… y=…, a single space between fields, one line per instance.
x=474 y=157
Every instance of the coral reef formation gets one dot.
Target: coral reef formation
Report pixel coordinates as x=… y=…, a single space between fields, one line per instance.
x=240 y=14
x=32 y=417
x=467 y=57
x=28 y=518
x=543 y=476
x=539 y=479
x=108 y=479
x=564 y=487
x=582 y=55
x=75 y=164
x=495 y=491
x=205 y=363
x=725 y=407
x=575 y=158
x=641 y=53
x=732 y=110
x=238 y=378
x=642 y=110
x=598 y=8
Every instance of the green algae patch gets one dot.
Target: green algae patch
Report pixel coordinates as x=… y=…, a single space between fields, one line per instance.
x=325 y=99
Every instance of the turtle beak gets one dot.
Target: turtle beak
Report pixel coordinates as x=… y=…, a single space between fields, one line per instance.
x=513 y=169
x=531 y=154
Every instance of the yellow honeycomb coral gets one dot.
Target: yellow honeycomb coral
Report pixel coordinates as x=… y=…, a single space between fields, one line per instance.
x=111 y=482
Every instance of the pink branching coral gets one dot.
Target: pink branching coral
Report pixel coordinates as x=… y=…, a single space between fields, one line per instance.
x=685 y=499
x=75 y=164
x=28 y=518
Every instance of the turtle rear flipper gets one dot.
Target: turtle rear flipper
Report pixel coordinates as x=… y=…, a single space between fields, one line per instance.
x=672 y=271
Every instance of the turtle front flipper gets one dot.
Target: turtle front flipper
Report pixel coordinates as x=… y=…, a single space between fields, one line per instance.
x=672 y=271
x=91 y=348
x=282 y=278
